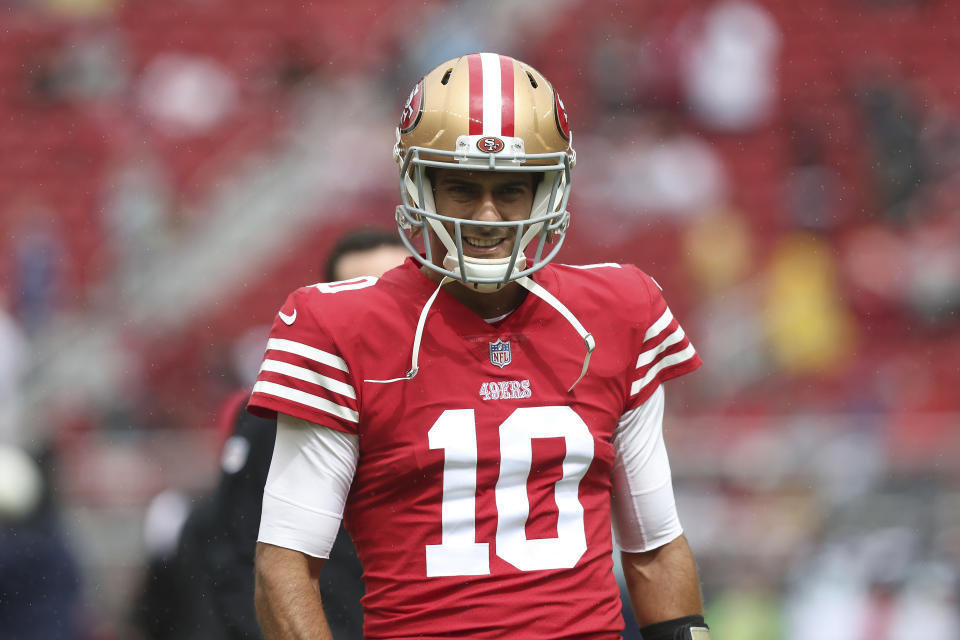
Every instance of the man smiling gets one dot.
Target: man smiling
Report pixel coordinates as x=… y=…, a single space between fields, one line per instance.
x=479 y=416
x=483 y=197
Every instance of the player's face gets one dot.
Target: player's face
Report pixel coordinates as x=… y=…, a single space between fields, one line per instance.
x=482 y=196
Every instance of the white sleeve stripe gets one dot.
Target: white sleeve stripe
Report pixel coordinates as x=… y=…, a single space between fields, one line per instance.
x=669 y=361
x=311 y=353
x=650 y=355
x=309 y=400
x=293 y=371
x=659 y=325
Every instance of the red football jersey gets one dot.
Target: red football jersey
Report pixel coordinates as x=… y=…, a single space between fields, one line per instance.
x=481 y=502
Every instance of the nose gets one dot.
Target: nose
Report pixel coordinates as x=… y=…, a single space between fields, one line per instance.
x=486 y=209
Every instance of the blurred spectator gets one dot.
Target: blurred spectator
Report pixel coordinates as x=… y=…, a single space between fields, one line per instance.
x=730 y=68
x=21 y=488
x=654 y=168
x=876 y=268
x=163 y=523
x=294 y=65
x=92 y=64
x=718 y=251
x=88 y=65
x=364 y=252
x=186 y=95
x=874 y=582
x=810 y=185
x=929 y=604
x=810 y=330
x=205 y=589
x=39 y=578
x=824 y=602
x=748 y=608
x=730 y=331
x=625 y=66
x=940 y=137
x=892 y=128
x=39 y=256
x=933 y=291
x=137 y=200
x=165 y=608
x=43 y=81
x=14 y=356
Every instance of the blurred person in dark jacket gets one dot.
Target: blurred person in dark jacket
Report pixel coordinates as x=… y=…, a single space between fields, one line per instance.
x=206 y=589
x=39 y=576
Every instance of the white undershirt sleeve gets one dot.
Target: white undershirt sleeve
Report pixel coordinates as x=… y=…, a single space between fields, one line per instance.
x=307 y=486
x=644 y=510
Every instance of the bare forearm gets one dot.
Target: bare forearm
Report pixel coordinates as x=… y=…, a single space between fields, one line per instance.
x=663 y=583
x=287 y=597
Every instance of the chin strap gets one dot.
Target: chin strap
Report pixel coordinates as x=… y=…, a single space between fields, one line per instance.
x=530 y=286
x=549 y=298
x=417 y=337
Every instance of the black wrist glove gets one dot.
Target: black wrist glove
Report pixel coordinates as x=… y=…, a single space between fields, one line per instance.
x=685 y=628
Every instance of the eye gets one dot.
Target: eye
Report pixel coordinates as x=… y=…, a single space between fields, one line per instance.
x=513 y=191
x=460 y=191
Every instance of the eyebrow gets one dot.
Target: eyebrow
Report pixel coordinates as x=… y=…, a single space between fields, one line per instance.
x=466 y=182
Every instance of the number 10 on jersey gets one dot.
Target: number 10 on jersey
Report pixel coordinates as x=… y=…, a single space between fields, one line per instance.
x=459 y=553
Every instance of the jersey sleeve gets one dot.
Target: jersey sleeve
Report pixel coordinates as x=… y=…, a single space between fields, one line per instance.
x=665 y=351
x=303 y=373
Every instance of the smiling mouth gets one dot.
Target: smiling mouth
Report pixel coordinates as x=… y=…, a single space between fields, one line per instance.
x=483 y=243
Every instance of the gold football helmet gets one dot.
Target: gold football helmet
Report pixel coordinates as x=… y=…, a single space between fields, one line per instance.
x=484 y=112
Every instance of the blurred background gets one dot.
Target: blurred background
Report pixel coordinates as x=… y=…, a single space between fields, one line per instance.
x=788 y=171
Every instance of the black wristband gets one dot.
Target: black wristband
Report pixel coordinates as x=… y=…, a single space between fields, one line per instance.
x=676 y=629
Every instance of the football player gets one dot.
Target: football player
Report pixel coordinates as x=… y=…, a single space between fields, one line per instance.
x=480 y=414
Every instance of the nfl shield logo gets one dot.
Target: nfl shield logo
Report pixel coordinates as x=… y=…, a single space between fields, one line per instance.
x=500 y=353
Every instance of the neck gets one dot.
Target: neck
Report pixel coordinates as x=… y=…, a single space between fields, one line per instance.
x=484 y=304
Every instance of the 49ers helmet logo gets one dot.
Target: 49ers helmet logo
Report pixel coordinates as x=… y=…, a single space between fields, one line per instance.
x=561 y=114
x=490 y=144
x=413 y=109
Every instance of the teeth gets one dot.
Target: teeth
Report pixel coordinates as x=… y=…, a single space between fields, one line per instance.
x=483 y=243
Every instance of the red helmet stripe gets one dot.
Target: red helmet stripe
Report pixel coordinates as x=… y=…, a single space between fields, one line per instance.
x=475 y=66
x=506 y=96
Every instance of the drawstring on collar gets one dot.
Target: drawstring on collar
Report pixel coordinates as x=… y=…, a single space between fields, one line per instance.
x=417 y=337
x=530 y=286
x=549 y=298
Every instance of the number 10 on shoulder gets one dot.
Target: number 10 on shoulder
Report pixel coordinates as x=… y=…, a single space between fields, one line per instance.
x=459 y=553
